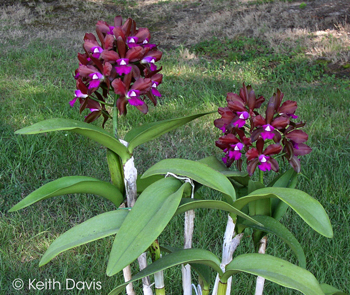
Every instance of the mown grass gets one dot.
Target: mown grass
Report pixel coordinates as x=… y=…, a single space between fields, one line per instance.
x=36 y=83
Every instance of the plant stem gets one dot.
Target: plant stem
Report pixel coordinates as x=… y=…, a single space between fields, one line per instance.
x=222 y=288
x=115 y=118
x=154 y=250
x=261 y=176
x=260 y=281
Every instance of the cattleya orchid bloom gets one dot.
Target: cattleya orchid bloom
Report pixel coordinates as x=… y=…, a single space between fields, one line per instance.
x=121 y=58
x=247 y=131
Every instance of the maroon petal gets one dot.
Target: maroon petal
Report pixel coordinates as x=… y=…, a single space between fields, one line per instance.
x=88 y=44
x=134 y=54
x=118 y=21
x=280 y=122
x=107 y=68
x=142 y=84
x=259 y=102
x=251 y=100
x=90 y=36
x=109 y=42
x=288 y=107
x=302 y=149
x=83 y=58
x=274 y=164
x=273 y=149
x=243 y=93
x=110 y=56
x=143 y=108
x=119 y=87
x=121 y=47
x=270 y=110
x=225 y=141
x=102 y=26
x=260 y=145
x=85 y=71
x=295 y=163
x=93 y=116
x=259 y=121
x=297 y=136
x=119 y=33
x=252 y=154
x=121 y=105
x=252 y=166
x=135 y=72
x=143 y=34
x=279 y=97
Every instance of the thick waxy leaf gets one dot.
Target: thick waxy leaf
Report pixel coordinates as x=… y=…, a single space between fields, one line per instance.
x=143 y=183
x=287 y=179
x=190 y=204
x=329 y=290
x=72 y=185
x=241 y=178
x=147 y=219
x=199 y=256
x=308 y=208
x=116 y=170
x=195 y=170
x=214 y=163
x=93 y=132
x=275 y=270
x=271 y=225
x=95 y=228
x=148 y=132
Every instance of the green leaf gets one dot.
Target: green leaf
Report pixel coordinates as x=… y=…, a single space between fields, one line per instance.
x=143 y=183
x=195 y=170
x=95 y=228
x=308 y=208
x=275 y=270
x=329 y=290
x=190 y=204
x=271 y=225
x=147 y=219
x=202 y=270
x=93 y=132
x=241 y=178
x=214 y=163
x=148 y=132
x=116 y=170
x=72 y=185
x=287 y=179
x=176 y=258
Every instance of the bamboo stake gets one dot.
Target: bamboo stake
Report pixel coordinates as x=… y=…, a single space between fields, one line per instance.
x=260 y=281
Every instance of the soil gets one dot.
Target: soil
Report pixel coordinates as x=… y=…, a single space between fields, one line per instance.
x=175 y=23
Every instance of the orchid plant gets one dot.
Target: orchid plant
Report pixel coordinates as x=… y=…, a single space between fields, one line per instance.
x=121 y=60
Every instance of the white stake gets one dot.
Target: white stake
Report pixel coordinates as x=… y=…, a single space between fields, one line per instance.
x=229 y=246
x=130 y=177
x=260 y=281
x=188 y=234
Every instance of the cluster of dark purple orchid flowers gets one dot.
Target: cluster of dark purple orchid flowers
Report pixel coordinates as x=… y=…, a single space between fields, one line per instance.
x=125 y=60
x=260 y=137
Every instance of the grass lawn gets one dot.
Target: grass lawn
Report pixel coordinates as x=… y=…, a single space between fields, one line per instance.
x=36 y=83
